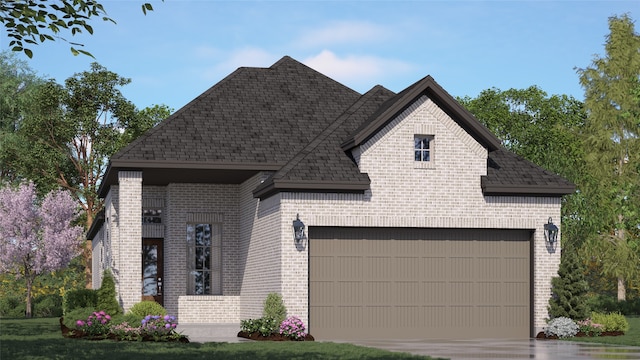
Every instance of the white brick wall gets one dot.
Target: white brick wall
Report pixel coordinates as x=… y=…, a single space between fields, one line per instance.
x=129 y=257
x=259 y=254
x=446 y=195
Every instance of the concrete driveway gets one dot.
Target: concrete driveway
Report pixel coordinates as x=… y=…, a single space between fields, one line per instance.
x=450 y=349
x=505 y=349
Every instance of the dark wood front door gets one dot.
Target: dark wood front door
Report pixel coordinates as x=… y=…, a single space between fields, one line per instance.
x=152 y=272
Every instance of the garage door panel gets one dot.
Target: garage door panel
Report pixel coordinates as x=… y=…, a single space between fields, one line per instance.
x=419 y=283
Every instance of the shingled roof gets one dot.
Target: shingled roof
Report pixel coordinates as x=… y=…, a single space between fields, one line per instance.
x=300 y=125
x=255 y=119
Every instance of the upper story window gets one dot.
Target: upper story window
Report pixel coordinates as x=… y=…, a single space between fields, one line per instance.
x=423 y=147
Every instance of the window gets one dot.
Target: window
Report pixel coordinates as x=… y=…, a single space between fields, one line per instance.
x=152 y=216
x=423 y=147
x=204 y=259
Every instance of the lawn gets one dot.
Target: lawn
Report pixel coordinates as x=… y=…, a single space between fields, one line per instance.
x=41 y=339
x=631 y=337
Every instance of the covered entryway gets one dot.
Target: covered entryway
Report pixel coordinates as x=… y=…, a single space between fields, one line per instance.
x=419 y=283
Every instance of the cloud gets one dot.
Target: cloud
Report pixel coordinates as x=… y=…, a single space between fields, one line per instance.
x=357 y=70
x=344 y=32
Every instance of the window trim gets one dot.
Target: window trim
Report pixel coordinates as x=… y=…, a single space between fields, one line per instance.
x=215 y=260
x=424 y=164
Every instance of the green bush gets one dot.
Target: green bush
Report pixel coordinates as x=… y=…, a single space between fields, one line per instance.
x=144 y=308
x=569 y=289
x=79 y=298
x=611 y=321
x=107 y=295
x=76 y=314
x=274 y=308
x=265 y=326
x=12 y=307
x=608 y=303
x=129 y=318
x=47 y=306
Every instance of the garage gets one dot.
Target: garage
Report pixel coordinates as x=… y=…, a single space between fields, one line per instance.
x=368 y=283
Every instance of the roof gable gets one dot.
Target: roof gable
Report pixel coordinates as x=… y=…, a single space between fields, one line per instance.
x=426 y=86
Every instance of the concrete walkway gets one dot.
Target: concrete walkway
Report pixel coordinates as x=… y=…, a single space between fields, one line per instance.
x=450 y=349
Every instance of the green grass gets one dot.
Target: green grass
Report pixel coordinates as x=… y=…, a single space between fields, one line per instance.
x=41 y=339
x=631 y=337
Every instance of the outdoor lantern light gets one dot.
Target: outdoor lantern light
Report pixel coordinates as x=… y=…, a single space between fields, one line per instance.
x=550 y=232
x=298 y=229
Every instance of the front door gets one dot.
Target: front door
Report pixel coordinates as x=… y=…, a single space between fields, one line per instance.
x=152 y=270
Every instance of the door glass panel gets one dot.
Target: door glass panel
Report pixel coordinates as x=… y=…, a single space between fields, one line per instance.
x=150 y=270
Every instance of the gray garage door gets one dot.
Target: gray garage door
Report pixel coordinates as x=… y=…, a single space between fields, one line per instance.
x=419 y=283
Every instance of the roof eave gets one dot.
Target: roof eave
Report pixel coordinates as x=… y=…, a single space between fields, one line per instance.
x=268 y=189
x=528 y=190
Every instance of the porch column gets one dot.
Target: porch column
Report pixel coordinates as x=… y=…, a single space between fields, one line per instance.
x=130 y=239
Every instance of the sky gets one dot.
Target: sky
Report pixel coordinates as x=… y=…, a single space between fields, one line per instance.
x=183 y=47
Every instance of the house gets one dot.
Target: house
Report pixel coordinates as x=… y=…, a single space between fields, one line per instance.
x=417 y=223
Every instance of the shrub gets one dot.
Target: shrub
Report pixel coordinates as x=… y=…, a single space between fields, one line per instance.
x=590 y=327
x=562 y=327
x=608 y=303
x=107 y=301
x=569 y=289
x=78 y=299
x=265 y=326
x=96 y=324
x=611 y=321
x=12 y=307
x=71 y=317
x=293 y=327
x=274 y=308
x=146 y=307
x=48 y=306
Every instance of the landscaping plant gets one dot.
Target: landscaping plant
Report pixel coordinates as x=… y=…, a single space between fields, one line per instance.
x=569 y=289
x=293 y=327
x=561 y=327
x=274 y=308
x=107 y=294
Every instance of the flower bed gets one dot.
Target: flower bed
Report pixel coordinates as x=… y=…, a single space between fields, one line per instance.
x=98 y=327
x=543 y=336
x=266 y=329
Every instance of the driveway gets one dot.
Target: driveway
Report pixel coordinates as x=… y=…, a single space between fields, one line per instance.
x=451 y=349
x=505 y=349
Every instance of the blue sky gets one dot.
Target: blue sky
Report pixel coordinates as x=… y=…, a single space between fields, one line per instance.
x=182 y=48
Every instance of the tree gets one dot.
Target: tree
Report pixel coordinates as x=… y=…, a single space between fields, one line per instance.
x=569 y=288
x=17 y=87
x=107 y=300
x=36 y=238
x=37 y=21
x=612 y=147
x=545 y=130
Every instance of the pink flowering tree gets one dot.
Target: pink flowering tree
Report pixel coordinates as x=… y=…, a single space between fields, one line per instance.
x=36 y=237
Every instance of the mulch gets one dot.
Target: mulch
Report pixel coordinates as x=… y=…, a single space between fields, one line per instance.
x=542 y=336
x=273 y=337
x=78 y=334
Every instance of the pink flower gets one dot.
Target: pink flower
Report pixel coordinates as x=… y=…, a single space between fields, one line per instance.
x=80 y=323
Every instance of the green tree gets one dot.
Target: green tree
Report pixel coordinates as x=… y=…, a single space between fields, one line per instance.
x=107 y=295
x=18 y=83
x=30 y=22
x=569 y=289
x=67 y=134
x=612 y=147
x=545 y=130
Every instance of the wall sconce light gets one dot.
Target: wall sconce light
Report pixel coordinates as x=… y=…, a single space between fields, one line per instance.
x=298 y=229
x=550 y=232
